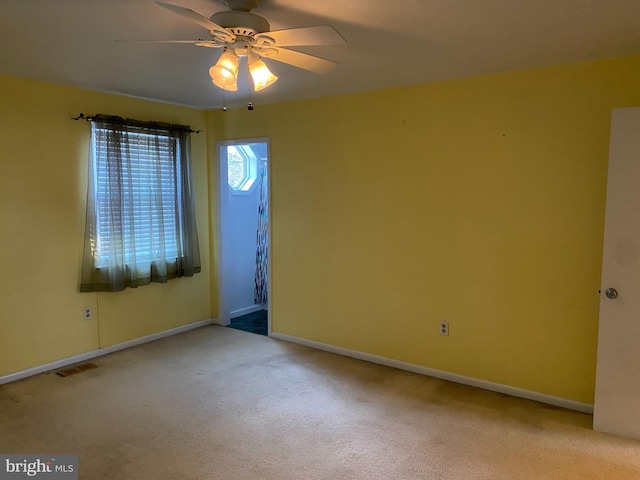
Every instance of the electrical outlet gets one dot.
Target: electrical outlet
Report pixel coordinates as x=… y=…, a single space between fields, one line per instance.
x=86 y=313
x=444 y=328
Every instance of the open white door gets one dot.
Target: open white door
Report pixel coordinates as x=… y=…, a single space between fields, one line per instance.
x=617 y=399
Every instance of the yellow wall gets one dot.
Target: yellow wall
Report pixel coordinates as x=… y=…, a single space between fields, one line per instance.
x=477 y=201
x=43 y=168
x=214 y=129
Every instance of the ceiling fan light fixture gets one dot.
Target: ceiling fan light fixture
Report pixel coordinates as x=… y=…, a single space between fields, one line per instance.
x=224 y=73
x=223 y=79
x=260 y=73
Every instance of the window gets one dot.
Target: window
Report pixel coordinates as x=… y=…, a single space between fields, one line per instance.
x=140 y=215
x=147 y=217
x=242 y=168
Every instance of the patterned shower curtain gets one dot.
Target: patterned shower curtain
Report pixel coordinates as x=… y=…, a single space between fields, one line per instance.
x=260 y=293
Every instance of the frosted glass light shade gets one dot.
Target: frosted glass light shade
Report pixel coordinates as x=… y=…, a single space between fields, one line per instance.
x=261 y=75
x=225 y=72
x=223 y=78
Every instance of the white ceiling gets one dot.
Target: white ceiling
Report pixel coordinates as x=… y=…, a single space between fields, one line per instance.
x=390 y=43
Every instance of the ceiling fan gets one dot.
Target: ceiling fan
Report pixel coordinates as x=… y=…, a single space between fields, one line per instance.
x=242 y=33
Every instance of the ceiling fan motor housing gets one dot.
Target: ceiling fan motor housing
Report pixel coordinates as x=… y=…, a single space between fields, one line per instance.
x=241 y=5
x=241 y=23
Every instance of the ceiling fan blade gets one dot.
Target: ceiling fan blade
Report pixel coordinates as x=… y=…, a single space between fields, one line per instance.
x=198 y=43
x=320 y=35
x=303 y=60
x=164 y=41
x=214 y=28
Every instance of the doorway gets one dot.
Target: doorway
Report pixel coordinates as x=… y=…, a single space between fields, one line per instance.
x=244 y=235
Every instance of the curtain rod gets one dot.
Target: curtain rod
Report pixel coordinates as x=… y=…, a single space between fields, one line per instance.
x=89 y=118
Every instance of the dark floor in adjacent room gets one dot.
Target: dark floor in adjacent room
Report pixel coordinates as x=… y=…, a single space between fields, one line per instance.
x=252 y=322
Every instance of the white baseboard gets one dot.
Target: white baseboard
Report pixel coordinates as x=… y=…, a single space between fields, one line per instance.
x=12 y=377
x=246 y=311
x=451 y=377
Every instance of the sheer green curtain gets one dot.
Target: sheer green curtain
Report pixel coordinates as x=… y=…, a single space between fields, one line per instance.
x=140 y=225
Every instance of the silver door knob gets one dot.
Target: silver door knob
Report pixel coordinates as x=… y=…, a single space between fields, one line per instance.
x=611 y=293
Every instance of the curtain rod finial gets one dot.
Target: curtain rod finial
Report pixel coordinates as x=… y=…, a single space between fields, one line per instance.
x=82 y=116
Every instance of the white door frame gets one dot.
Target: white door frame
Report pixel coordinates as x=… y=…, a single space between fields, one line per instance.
x=222 y=218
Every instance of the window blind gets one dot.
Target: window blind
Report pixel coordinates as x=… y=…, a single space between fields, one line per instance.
x=137 y=209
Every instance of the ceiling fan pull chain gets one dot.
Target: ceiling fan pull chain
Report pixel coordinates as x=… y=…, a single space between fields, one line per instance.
x=250 y=82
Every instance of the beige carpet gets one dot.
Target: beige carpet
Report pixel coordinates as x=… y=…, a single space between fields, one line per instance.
x=217 y=403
